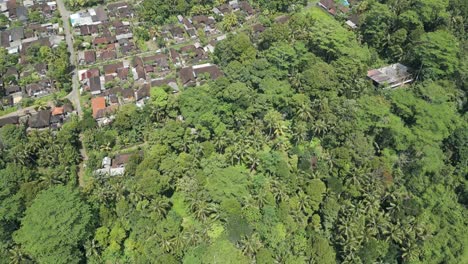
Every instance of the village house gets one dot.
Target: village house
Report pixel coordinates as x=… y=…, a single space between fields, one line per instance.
x=142 y=94
x=102 y=113
x=207 y=70
x=332 y=6
x=86 y=74
x=12 y=89
x=111 y=69
x=171 y=82
x=198 y=74
x=208 y=24
x=120 y=10
x=391 y=76
x=247 y=8
x=98 y=104
x=95 y=85
x=178 y=33
x=10 y=120
x=113 y=167
x=175 y=57
x=38 y=89
x=223 y=9
x=187 y=76
x=107 y=55
x=87 y=57
x=40 y=119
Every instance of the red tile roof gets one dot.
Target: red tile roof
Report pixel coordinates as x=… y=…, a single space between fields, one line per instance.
x=98 y=104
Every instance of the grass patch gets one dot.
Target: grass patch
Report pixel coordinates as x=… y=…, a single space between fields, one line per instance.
x=8 y=110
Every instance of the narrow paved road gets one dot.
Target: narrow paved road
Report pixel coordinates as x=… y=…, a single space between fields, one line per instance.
x=74 y=96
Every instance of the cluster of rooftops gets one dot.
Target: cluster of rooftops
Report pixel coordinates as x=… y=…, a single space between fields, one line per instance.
x=108 y=26
x=40 y=119
x=18 y=38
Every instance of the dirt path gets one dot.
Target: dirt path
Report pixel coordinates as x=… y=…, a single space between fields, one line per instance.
x=84 y=158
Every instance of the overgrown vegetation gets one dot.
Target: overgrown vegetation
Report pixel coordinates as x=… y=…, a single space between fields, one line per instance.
x=292 y=157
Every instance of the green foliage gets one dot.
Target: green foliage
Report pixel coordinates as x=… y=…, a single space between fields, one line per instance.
x=222 y=251
x=292 y=157
x=437 y=54
x=55 y=226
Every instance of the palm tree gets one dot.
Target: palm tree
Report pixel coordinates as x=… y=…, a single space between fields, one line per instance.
x=178 y=242
x=300 y=132
x=17 y=256
x=204 y=210
x=220 y=143
x=49 y=178
x=320 y=127
x=160 y=207
x=250 y=245
x=253 y=161
x=41 y=106
x=92 y=250
x=304 y=112
x=278 y=190
x=105 y=148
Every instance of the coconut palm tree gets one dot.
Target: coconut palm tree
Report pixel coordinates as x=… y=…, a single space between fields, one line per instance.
x=250 y=245
x=17 y=256
x=160 y=207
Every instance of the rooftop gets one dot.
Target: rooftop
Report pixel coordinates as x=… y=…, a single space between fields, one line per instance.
x=98 y=104
x=391 y=76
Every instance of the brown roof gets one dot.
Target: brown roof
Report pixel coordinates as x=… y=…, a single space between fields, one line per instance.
x=122 y=73
x=202 y=19
x=128 y=93
x=109 y=78
x=212 y=70
x=187 y=76
x=101 y=13
x=112 y=68
x=258 y=28
x=98 y=104
x=246 y=7
x=149 y=68
x=104 y=40
x=120 y=160
x=107 y=111
x=177 y=31
x=107 y=55
x=137 y=61
x=40 y=120
x=41 y=68
x=282 y=19
x=140 y=72
x=174 y=55
x=112 y=91
x=90 y=56
x=12 y=89
x=331 y=6
x=224 y=8
x=11 y=120
x=90 y=73
x=115 y=6
x=95 y=84
x=143 y=92
x=113 y=99
x=188 y=48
